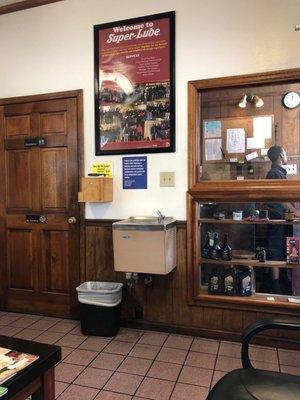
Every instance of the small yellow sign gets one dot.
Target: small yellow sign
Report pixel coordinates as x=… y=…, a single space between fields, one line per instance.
x=103 y=168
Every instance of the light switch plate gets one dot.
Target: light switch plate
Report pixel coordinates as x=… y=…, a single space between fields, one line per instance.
x=167 y=179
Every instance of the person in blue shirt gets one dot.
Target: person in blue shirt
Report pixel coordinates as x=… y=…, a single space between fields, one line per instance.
x=277 y=233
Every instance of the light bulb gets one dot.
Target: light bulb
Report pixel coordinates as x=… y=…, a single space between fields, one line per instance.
x=243 y=102
x=258 y=101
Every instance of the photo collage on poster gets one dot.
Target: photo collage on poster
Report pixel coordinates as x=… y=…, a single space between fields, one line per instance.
x=141 y=116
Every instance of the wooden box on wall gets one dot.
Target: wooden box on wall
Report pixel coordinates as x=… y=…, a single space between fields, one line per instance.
x=96 y=189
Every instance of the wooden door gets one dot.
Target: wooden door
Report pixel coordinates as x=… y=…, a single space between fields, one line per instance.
x=40 y=215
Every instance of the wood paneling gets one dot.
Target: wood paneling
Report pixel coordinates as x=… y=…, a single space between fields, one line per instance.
x=53 y=123
x=54 y=163
x=18 y=180
x=55 y=262
x=290 y=122
x=165 y=301
x=99 y=254
x=182 y=313
x=21 y=261
x=159 y=299
x=212 y=318
x=232 y=320
x=17 y=126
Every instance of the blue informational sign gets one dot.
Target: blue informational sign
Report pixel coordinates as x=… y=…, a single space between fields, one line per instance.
x=134 y=172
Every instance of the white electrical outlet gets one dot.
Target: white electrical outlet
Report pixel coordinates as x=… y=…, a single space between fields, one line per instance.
x=291 y=169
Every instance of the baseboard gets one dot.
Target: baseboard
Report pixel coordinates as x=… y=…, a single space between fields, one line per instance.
x=263 y=340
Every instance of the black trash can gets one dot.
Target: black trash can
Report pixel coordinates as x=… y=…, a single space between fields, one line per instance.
x=100 y=307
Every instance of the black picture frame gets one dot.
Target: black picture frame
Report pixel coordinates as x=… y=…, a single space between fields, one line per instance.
x=135 y=103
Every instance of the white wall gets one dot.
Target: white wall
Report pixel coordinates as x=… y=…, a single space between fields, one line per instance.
x=50 y=48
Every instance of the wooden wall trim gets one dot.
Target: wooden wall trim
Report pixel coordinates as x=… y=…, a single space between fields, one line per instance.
x=80 y=124
x=286 y=75
x=23 y=5
x=251 y=190
x=2 y=229
x=193 y=153
x=102 y=222
x=108 y=222
x=78 y=93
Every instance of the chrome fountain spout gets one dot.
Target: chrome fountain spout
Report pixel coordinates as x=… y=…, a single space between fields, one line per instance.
x=161 y=216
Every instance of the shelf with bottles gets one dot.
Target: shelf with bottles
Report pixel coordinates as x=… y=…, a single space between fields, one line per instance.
x=244 y=280
x=249 y=213
x=249 y=222
x=255 y=299
x=250 y=263
x=240 y=239
x=250 y=247
x=216 y=253
x=229 y=281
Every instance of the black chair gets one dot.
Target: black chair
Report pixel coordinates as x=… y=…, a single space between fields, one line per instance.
x=249 y=383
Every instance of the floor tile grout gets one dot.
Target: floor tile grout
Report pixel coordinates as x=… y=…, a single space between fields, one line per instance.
x=150 y=364
x=10 y=321
x=215 y=364
x=183 y=364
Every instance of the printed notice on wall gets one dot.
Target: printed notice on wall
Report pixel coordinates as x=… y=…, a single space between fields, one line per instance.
x=212 y=129
x=262 y=127
x=134 y=172
x=235 y=141
x=213 y=149
x=103 y=168
x=255 y=143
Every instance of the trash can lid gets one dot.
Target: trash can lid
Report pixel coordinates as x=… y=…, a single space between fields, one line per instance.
x=101 y=287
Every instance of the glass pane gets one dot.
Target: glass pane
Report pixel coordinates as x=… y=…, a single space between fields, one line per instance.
x=257 y=243
x=239 y=125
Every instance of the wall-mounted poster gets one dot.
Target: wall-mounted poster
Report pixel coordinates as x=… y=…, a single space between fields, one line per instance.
x=134 y=85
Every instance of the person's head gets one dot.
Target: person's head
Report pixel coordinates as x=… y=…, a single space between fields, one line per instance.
x=277 y=155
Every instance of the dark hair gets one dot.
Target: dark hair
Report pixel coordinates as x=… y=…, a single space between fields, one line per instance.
x=274 y=152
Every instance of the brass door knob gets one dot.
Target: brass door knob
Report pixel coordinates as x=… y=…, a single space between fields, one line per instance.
x=72 y=220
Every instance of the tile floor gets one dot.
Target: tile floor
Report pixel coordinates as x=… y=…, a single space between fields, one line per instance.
x=138 y=364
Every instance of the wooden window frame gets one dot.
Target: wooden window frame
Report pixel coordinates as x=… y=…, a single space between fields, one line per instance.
x=228 y=191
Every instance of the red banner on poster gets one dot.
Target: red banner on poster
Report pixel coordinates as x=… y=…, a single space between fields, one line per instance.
x=140 y=52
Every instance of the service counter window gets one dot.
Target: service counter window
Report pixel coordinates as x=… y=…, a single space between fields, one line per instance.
x=244 y=191
x=238 y=126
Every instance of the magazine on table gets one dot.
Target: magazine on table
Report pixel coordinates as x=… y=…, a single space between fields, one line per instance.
x=12 y=361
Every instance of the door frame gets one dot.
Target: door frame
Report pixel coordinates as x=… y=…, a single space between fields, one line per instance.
x=78 y=95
